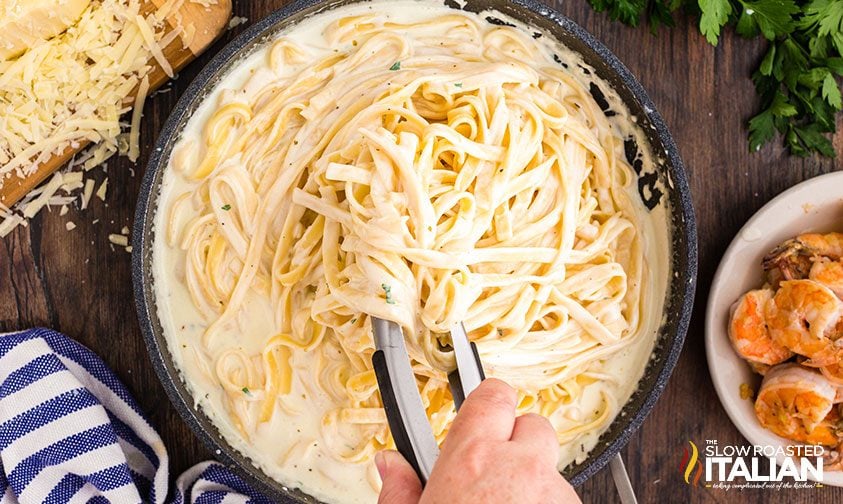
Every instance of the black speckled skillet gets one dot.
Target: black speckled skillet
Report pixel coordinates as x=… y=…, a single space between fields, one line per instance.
x=667 y=186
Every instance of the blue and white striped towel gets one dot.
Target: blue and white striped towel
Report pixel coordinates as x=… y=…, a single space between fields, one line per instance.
x=70 y=432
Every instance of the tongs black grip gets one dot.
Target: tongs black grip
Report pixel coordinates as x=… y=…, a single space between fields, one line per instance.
x=469 y=371
x=401 y=400
x=400 y=394
x=399 y=431
x=458 y=390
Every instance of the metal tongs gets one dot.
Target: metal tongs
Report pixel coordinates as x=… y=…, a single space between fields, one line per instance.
x=405 y=411
x=401 y=400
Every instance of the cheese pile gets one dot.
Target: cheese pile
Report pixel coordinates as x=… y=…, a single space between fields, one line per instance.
x=62 y=190
x=64 y=91
x=23 y=23
x=73 y=87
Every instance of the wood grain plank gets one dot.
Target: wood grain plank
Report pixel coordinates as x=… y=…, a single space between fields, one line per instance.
x=22 y=296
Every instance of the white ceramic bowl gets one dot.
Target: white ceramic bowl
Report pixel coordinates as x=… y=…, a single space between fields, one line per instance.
x=813 y=205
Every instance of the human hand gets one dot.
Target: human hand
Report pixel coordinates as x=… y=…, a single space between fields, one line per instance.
x=489 y=456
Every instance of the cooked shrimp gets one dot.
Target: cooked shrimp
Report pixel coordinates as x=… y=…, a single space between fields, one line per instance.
x=793 y=259
x=828 y=245
x=830 y=274
x=805 y=318
x=789 y=261
x=749 y=334
x=833 y=459
x=834 y=373
x=759 y=368
x=793 y=403
x=834 y=456
x=828 y=432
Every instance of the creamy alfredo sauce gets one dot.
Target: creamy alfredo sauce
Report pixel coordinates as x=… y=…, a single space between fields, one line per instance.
x=287 y=447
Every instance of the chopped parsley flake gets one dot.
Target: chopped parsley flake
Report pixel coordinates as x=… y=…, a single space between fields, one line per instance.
x=458 y=84
x=354 y=321
x=395 y=66
x=388 y=291
x=226 y=207
x=246 y=391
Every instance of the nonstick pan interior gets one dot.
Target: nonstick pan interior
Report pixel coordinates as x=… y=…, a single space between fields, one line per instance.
x=670 y=176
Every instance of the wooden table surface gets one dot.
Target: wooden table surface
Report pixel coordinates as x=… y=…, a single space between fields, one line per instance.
x=74 y=282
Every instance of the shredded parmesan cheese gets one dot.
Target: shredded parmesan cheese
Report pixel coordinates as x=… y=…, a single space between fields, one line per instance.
x=70 y=226
x=60 y=200
x=65 y=90
x=23 y=23
x=101 y=192
x=137 y=113
x=237 y=21
x=73 y=87
x=10 y=223
x=87 y=193
x=99 y=155
x=119 y=240
x=152 y=46
x=71 y=182
x=48 y=191
x=165 y=9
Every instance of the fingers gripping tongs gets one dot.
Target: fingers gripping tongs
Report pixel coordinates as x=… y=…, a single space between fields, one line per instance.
x=404 y=409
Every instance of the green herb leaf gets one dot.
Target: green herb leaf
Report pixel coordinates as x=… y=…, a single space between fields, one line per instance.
x=831 y=93
x=458 y=84
x=761 y=130
x=626 y=11
x=715 y=13
x=388 y=292
x=661 y=13
x=823 y=114
x=766 y=67
x=226 y=207
x=774 y=18
x=246 y=391
x=825 y=15
x=819 y=47
x=813 y=140
x=747 y=27
x=395 y=66
x=835 y=65
x=781 y=108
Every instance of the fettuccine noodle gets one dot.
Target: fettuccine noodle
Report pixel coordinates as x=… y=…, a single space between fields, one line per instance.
x=426 y=173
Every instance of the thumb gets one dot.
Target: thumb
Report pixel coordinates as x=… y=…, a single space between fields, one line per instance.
x=400 y=483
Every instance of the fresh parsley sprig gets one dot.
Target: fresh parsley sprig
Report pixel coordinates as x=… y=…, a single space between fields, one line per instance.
x=797 y=78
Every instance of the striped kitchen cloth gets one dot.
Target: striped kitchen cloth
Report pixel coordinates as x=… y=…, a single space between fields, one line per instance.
x=70 y=432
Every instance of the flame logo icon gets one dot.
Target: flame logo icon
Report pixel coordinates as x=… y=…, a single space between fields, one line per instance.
x=690 y=462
